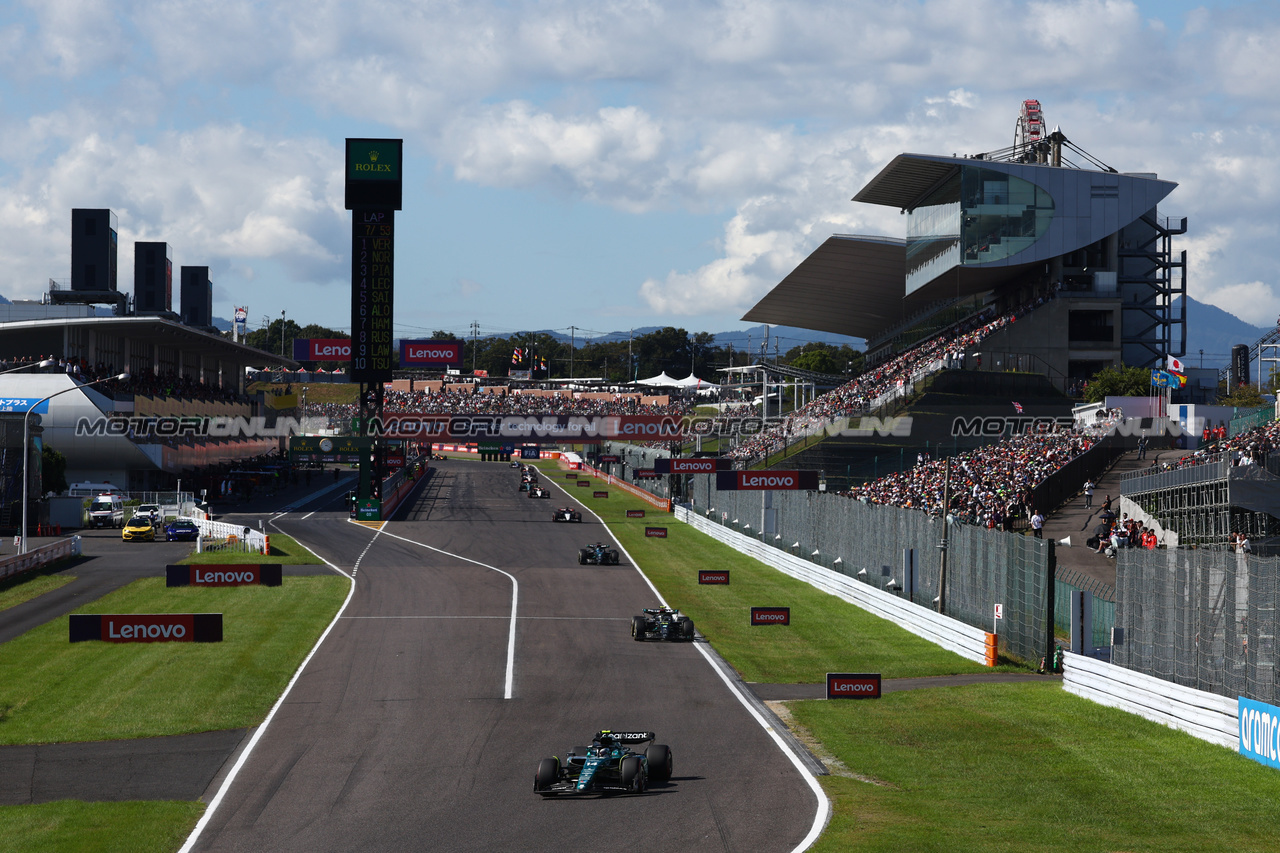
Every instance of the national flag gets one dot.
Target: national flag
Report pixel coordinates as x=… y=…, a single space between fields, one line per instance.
x=515 y=355
x=1017 y=407
x=1174 y=365
x=544 y=364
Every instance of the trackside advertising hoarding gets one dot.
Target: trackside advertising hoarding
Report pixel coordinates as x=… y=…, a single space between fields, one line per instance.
x=635 y=513
x=147 y=628
x=771 y=616
x=430 y=353
x=655 y=532
x=1259 y=731
x=706 y=465
x=732 y=481
x=321 y=349
x=714 y=576
x=268 y=574
x=853 y=685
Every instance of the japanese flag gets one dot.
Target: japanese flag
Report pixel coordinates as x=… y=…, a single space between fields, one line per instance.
x=1175 y=365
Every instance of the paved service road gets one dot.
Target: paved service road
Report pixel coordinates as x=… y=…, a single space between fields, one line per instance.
x=397 y=734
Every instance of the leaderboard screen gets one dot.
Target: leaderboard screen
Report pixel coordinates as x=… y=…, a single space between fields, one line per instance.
x=372 y=292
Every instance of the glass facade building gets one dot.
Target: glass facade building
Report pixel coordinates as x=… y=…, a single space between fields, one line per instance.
x=976 y=216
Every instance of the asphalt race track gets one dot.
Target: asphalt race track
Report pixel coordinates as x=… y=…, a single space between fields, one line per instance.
x=397 y=735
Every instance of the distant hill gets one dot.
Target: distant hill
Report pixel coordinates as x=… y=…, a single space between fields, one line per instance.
x=1215 y=331
x=788 y=337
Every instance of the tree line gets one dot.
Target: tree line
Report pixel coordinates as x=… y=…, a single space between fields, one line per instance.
x=673 y=350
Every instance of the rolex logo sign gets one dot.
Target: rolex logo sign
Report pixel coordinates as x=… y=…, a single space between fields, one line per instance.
x=373 y=155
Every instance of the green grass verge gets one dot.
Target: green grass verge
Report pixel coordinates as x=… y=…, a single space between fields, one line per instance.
x=128 y=827
x=55 y=691
x=1015 y=767
x=284 y=550
x=827 y=634
x=24 y=587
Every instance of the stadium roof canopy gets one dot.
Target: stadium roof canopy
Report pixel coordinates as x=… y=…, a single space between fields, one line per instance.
x=59 y=337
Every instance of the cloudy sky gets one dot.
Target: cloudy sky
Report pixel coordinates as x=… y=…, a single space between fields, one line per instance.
x=606 y=164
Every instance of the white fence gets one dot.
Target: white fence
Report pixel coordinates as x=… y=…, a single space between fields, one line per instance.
x=1207 y=716
x=246 y=538
x=964 y=640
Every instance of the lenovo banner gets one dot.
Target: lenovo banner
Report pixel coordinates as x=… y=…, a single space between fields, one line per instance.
x=731 y=481
x=644 y=473
x=599 y=494
x=586 y=484
x=321 y=349
x=771 y=616
x=610 y=458
x=713 y=576
x=224 y=575
x=707 y=465
x=656 y=532
x=148 y=628
x=853 y=685
x=430 y=353
x=635 y=513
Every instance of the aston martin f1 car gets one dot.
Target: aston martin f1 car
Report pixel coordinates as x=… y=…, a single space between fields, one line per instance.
x=566 y=513
x=597 y=554
x=608 y=765
x=661 y=623
x=539 y=492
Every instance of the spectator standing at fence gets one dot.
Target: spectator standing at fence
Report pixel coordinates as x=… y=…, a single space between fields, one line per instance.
x=1142 y=447
x=1106 y=505
x=1037 y=524
x=1088 y=494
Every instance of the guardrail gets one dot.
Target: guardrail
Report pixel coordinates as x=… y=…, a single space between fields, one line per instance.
x=42 y=556
x=965 y=640
x=1204 y=715
x=231 y=536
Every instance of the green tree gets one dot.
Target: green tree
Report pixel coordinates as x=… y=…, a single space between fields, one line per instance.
x=1244 y=397
x=1118 y=381
x=819 y=361
x=53 y=471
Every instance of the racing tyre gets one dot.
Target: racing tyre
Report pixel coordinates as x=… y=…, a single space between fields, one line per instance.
x=547 y=775
x=637 y=628
x=686 y=629
x=660 y=766
x=613 y=558
x=582 y=557
x=632 y=774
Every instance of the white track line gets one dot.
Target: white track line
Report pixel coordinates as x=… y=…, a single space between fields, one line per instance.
x=515 y=595
x=824 y=804
x=257 y=735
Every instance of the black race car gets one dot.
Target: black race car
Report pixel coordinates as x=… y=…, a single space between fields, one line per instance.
x=608 y=765
x=525 y=485
x=661 y=623
x=566 y=513
x=539 y=492
x=514 y=464
x=597 y=554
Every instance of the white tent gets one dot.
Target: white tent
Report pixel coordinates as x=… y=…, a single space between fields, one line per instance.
x=692 y=381
x=662 y=380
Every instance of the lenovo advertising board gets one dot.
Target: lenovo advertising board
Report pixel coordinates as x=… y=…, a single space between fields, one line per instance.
x=635 y=513
x=147 y=628
x=268 y=574
x=430 y=353
x=655 y=532
x=719 y=577
x=853 y=685
x=706 y=465
x=599 y=494
x=771 y=616
x=731 y=481
x=321 y=349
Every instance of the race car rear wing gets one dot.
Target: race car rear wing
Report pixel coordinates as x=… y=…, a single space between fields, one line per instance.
x=628 y=737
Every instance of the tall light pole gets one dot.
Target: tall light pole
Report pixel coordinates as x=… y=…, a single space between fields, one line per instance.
x=26 y=450
x=282 y=334
x=304 y=404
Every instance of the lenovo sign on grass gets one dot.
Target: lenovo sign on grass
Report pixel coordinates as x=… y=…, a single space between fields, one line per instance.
x=771 y=616
x=147 y=628
x=713 y=576
x=268 y=574
x=853 y=685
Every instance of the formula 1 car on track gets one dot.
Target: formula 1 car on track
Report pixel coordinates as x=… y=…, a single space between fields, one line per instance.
x=608 y=765
x=661 y=623
x=597 y=554
x=539 y=492
x=566 y=513
x=525 y=485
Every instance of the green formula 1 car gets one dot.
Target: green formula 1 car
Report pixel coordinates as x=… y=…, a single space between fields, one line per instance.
x=609 y=765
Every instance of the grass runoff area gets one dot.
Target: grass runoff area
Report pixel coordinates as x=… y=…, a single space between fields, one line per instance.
x=24 y=587
x=986 y=767
x=53 y=691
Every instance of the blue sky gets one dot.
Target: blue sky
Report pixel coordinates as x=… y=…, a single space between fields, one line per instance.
x=605 y=165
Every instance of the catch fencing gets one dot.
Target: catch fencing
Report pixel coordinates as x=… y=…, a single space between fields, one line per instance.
x=867 y=542
x=1202 y=618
